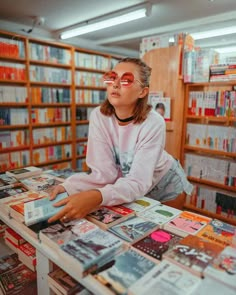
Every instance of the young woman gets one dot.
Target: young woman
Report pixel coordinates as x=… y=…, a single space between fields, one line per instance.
x=125 y=149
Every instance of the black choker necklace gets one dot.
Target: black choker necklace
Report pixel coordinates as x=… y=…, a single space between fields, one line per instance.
x=124 y=120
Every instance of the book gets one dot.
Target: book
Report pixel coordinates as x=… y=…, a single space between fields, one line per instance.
x=187 y=223
x=59 y=233
x=6 y=181
x=27 y=255
x=157 y=243
x=106 y=217
x=24 y=172
x=8 y=262
x=123 y=271
x=41 y=183
x=14 y=236
x=223 y=268
x=19 y=280
x=12 y=190
x=62 y=173
x=193 y=253
x=141 y=204
x=218 y=232
x=41 y=209
x=160 y=214
x=90 y=251
x=133 y=228
x=166 y=278
x=64 y=282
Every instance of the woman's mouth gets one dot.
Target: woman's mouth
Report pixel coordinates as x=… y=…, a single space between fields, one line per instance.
x=115 y=94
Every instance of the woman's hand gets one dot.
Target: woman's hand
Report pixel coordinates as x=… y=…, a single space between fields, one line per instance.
x=57 y=190
x=77 y=205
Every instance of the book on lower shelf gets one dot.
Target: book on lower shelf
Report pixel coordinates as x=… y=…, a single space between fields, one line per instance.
x=24 y=172
x=156 y=244
x=223 y=268
x=41 y=209
x=187 y=223
x=27 y=255
x=122 y=272
x=8 y=262
x=133 y=229
x=193 y=254
x=106 y=217
x=167 y=278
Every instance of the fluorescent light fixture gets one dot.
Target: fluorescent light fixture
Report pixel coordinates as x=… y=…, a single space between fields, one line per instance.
x=226 y=49
x=214 y=33
x=127 y=17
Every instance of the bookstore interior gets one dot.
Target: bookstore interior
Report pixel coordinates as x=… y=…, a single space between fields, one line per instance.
x=48 y=89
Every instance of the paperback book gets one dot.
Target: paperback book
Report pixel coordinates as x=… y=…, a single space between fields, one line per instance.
x=27 y=255
x=8 y=262
x=218 y=232
x=106 y=217
x=187 y=223
x=160 y=214
x=41 y=209
x=168 y=279
x=133 y=229
x=90 y=251
x=15 y=189
x=41 y=183
x=193 y=253
x=223 y=268
x=157 y=243
x=141 y=204
x=24 y=172
x=6 y=181
x=122 y=272
x=14 y=236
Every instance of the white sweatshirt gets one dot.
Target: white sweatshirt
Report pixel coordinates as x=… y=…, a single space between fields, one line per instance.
x=126 y=161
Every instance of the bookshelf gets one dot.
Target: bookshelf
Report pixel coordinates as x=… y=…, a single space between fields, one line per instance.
x=208 y=148
x=47 y=91
x=165 y=64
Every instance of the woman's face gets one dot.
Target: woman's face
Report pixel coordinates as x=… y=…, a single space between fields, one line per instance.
x=125 y=97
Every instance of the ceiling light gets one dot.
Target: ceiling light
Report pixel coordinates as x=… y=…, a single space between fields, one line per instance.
x=124 y=18
x=226 y=49
x=214 y=33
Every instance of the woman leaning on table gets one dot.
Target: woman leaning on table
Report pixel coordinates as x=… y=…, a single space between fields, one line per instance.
x=125 y=149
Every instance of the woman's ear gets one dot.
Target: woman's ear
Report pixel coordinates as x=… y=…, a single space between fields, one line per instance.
x=144 y=92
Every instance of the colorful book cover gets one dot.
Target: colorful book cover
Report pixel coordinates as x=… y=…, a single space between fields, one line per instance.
x=223 y=268
x=24 y=172
x=109 y=216
x=41 y=209
x=12 y=191
x=157 y=243
x=133 y=228
x=193 y=253
x=141 y=204
x=8 y=262
x=6 y=180
x=187 y=223
x=123 y=271
x=167 y=278
x=90 y=251
x=218 y=232
x=160 y=214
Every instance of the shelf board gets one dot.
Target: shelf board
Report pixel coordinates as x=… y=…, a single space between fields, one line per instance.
x=210 y=214
x=14 y=149
x=209 y=151
x=82 y=122
x=209 y=118
x=212 y=183
x=38 y=125
x=80 y=156
x=49 y=64
x=53 y=162
x=8 y=81
x=46 y=105
x=14 y=104
x=48 y=84
x=90 y=87
x=87 y=105
x=13 y=59
x=83 y=69
x=218 y=83
x=36 y=146
x=82 y=139
x=6 y=127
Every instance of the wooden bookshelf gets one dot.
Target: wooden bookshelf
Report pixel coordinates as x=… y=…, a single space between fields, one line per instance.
x=207 y=149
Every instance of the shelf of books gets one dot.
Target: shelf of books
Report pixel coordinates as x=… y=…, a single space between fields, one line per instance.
x=209 y=148
x=132 y=248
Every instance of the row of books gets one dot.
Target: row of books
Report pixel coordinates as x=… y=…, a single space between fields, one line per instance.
x=222 y=72
x=50 y=54
x=50 y=95
x=10 y=47
x=212 y=103
x=50 y=115
x=83 y=113
x=91 y=61
x=213 y=137
x=14 y=160
x=12 y=71
x=82 y=130
x=217 y=170
x=144 y=241
x=13 y=94
x=50 y=153
x=81 y=148
x=49 y=75
x=89 y=96
x=52 y=134
x=13 y=116
x=14 y=138
x=88 y=79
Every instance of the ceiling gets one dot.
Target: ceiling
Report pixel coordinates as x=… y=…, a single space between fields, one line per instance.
x=167 y=17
